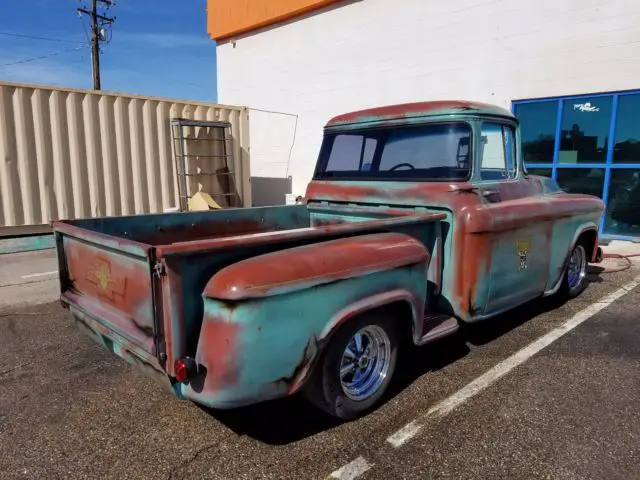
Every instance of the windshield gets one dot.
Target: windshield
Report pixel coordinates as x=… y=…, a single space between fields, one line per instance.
x=427 y=152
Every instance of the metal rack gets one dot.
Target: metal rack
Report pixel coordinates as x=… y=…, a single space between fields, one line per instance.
x=203 y=154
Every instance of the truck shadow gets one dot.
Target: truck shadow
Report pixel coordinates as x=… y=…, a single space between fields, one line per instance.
x=489 y=330
x=276 y=422
x=284 y=421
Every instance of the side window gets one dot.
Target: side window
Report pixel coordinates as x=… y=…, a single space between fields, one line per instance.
x=351 y=153
x=498 y=152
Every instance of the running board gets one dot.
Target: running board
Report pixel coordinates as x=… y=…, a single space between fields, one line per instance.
x=437 y=325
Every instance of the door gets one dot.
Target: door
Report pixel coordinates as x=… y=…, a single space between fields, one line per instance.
x=519 y=260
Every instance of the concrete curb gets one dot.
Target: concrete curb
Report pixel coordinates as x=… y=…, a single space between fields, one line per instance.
x=26 y=244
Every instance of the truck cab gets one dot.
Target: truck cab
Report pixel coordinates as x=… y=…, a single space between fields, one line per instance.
x=418 y=217
x=507 y=236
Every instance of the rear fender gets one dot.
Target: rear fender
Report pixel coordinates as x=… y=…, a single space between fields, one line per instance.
x=415 y=304
x=308 y=266
x=267 y=319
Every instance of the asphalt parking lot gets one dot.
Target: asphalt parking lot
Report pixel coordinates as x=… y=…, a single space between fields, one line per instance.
x=69 y=409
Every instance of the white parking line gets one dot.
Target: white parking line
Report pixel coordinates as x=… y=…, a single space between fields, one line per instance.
x=481 y=383
x=352 y=469
x=43 y=274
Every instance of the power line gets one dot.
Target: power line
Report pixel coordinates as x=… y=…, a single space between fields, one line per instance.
x=44 y=56
x=32 y=37
x=84 y=27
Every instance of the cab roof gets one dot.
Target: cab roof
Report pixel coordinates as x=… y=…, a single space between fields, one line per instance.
x=418 y=109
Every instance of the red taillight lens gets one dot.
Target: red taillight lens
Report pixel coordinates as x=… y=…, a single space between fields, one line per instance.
x=185 y=368
x=182 y=372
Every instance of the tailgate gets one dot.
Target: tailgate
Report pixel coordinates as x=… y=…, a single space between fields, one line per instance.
x=111 y=291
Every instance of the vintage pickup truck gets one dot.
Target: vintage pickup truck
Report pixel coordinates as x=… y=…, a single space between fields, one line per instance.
x=418 y=217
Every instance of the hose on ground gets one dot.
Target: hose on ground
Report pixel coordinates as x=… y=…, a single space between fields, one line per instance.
x=626 y=257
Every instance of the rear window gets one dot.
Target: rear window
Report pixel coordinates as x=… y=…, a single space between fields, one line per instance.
x=427 y=152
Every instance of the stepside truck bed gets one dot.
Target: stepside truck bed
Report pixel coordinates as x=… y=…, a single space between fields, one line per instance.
x=135 y=283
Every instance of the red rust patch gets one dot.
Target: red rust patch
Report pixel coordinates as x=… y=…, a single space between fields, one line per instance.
x=108 y=285
x=115 y=280
x=203 y=230
x=217 y=352
x=325 y=262
x=388 y=112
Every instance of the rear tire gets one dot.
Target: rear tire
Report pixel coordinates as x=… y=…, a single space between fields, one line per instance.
x=574 y=280
x=356 y=368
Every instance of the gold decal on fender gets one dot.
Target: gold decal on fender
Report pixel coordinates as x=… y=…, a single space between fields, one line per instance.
x=523 y=247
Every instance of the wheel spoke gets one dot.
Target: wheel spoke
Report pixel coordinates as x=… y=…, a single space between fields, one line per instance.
x=358 y=339
x=347 y=369
x=350 y=354
x=577 y=267
x=365 y=362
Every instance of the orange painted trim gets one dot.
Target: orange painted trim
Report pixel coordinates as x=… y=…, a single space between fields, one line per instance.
x=221 y=36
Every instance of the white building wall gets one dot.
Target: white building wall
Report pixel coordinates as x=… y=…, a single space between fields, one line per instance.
x=374 y=52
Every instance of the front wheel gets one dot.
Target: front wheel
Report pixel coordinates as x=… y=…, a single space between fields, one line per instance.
x=356 y=368
x=575 y=275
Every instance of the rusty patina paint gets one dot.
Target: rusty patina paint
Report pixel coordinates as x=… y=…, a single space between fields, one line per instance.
x=165 y=235
x=218 y=353
x=311 y=265
x=255 y=295
x=300 y=234
x=297 y=325
x=115 y=284
x=418 y=109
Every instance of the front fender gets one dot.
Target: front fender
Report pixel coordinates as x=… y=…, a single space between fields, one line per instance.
x=264 y=327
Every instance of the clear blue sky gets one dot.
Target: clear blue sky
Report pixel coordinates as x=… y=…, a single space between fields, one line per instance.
x=158 y=48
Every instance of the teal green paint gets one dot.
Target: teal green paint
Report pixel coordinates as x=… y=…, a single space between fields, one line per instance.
x=508 y=283
x=276 y=330
x=564 y=235
x=26 y=244
x=278 y=333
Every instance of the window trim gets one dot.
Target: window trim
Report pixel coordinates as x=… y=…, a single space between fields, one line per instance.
x=502 y=125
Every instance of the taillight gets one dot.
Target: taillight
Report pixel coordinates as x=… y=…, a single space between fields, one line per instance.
x=185 y=369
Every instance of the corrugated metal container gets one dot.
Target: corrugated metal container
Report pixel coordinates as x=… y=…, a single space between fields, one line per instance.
x=67 y=153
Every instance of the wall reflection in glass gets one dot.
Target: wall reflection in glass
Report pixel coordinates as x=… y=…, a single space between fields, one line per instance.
x=623 y=207
x=581 y=180
x=585 y=130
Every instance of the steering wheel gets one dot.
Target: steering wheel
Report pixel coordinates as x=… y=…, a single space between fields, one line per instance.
x=402 y=165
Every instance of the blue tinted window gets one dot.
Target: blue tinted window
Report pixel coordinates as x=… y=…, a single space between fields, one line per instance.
x=538 y=130
x=627 y=145
x=431 y=152
x=542 y=172
x=581 y=180
x=351 y=152
x=585 y=130
x=623 y=205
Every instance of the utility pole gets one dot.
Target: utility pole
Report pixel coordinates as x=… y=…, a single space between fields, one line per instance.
x=97 y=23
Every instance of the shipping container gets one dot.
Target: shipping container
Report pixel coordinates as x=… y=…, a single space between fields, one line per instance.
x=69 y=153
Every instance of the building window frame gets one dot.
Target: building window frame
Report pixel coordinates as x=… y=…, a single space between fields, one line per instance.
x=609 y=166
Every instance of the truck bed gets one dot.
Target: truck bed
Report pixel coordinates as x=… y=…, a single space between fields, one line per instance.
x=171 y=228
x=136 y=282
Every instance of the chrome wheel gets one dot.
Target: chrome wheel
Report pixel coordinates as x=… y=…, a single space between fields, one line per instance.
x=365 y=362
x=577 y=268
